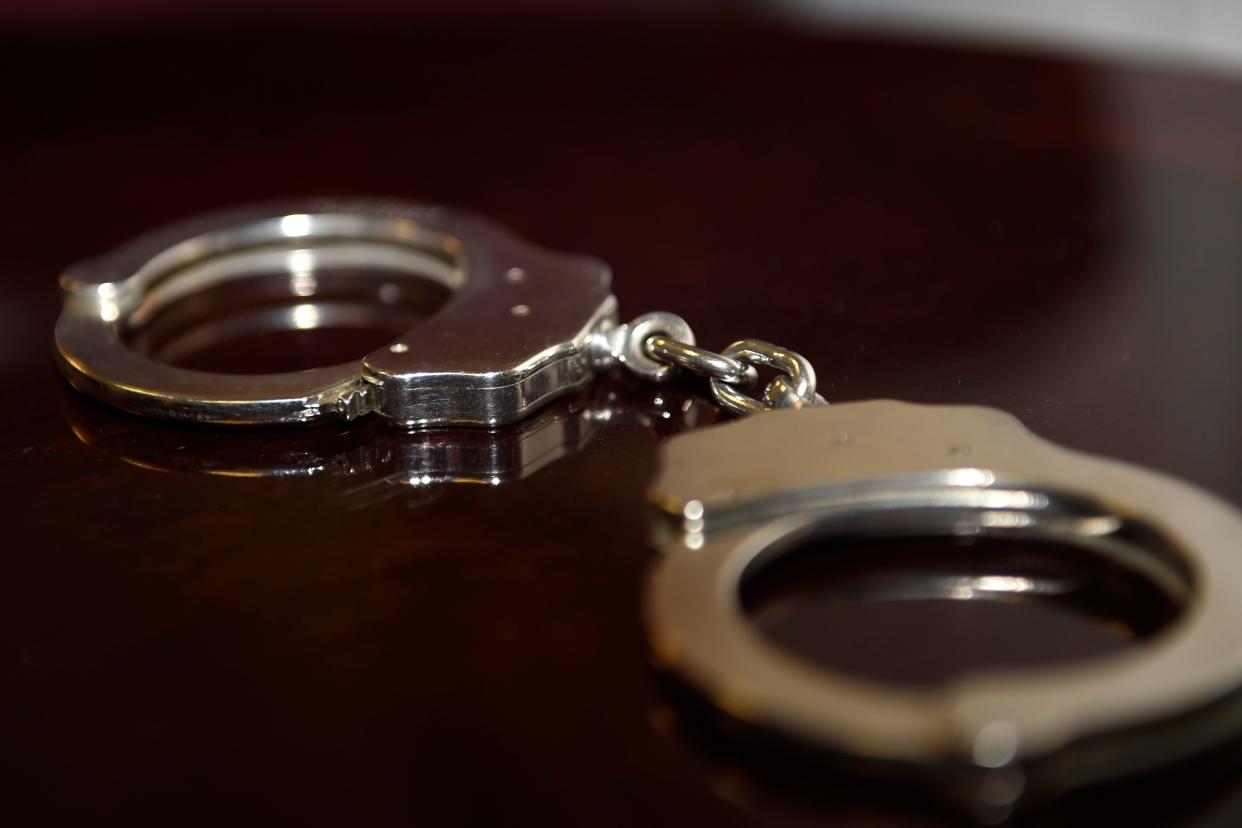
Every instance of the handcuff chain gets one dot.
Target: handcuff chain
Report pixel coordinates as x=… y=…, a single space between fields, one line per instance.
x=655 y=345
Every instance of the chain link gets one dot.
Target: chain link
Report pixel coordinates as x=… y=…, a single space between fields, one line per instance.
x=655 y=345
x=701 y=361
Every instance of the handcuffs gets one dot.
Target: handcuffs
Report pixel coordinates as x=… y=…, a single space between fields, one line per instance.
x=524 y=325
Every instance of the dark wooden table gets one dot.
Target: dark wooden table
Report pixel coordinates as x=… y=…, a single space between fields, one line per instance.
x=190 y=637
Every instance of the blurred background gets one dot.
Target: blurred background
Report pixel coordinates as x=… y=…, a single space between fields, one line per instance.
x=1207 y=32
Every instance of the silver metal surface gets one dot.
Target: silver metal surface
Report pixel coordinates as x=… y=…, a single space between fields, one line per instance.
x=701 y=361
x=631 y=344
x=655 y=345
x=522 y=325
x=377 y=457
x=740 y=496
x=794 y=387
x=514 y=334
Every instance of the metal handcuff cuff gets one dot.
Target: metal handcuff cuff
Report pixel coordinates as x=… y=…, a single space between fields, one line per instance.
x=524 y=325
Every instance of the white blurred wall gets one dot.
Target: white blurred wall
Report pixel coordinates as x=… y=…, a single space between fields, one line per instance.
x=1206 y=33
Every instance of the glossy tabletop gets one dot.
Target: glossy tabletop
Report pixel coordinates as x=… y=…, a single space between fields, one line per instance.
x=364 y=626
